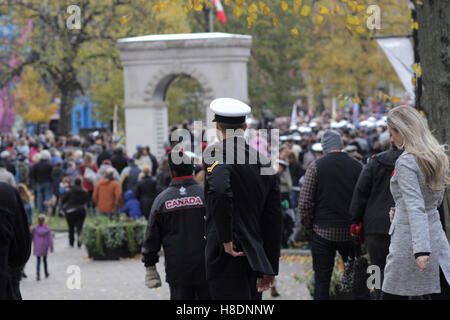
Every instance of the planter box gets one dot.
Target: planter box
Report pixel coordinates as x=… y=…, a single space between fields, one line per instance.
x=113 y=254
x=113 y=240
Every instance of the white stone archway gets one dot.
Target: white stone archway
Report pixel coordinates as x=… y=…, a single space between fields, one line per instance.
x=218 y=61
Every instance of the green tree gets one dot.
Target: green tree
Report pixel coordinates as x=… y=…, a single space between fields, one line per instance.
x=274 y=70
x=69 y=57
x=185 y=97
x=33 y=101
x=107 y=96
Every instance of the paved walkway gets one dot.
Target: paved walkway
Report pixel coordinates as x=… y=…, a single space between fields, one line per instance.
x=119 y=280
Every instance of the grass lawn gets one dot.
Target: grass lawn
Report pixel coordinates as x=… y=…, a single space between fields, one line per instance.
x=57 y=222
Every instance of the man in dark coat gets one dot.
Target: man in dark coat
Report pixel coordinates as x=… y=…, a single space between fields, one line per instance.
x=153 y=159
x=243 y=222
x=370 y=206
x=324 y=210
x=15 y=242
x=146 y=192
x=118 y=160
x=177 y=222
x=104 y=155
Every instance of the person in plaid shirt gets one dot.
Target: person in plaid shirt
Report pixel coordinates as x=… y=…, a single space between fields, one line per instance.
x=324 y=209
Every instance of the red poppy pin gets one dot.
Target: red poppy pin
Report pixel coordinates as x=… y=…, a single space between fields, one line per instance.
x=393 y=172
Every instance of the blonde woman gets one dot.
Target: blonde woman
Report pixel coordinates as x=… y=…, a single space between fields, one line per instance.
x=418 y=263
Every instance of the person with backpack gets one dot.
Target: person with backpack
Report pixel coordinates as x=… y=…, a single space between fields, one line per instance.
x=130 y=176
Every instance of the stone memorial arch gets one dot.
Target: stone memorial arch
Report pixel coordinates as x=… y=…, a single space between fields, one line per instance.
x=218 y=61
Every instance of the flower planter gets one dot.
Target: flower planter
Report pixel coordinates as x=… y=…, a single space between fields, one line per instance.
x=112 y=240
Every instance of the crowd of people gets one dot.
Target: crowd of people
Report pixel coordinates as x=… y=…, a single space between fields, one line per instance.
x=333 y=179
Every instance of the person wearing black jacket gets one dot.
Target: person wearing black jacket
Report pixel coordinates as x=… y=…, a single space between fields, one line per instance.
x=74 y=203
x=118 y=160
x=42 y=178
x=104 y=155
x=243 y=221
x=57 y=176
x=146 y=191
x=15 y=242
x=153 y=160
x=177 y=223
x=370 y=206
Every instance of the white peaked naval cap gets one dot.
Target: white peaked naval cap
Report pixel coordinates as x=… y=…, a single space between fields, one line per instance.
x=229 y=110
x=317 y=147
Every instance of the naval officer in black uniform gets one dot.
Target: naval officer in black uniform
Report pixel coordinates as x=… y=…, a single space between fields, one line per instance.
x=243 y=220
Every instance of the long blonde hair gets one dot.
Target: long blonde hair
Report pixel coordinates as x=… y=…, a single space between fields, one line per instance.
x=89 y=160
x=24 y=193
x=419 y=141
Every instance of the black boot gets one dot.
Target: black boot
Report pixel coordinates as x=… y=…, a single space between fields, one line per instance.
x=47 y=274
x=38 y=276
x=274 y=293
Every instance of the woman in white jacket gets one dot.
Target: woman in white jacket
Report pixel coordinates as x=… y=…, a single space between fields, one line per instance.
x=418 y=263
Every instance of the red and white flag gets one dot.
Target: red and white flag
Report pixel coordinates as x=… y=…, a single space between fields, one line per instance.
x=220 y=12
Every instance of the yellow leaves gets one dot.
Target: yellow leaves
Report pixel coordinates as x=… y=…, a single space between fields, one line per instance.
x=353 y=20
x=159 y=6
x=297 y=5
x=324 y=10
x=420 y=3
x=251 y=19
x=266 y=11
x=349 y=29
x=360 y=8
x=294 y=32
x=262 y=6
x=319 y=19
x=197 y=5
x=208 y=5
x=124 y=19
x=353 y=5
x=422 y=113
x=306 y=10
x=189 y=6
x=227 y=2
x=337 y=9
x=238 y=11
x=252 y=8
x=356 y=100
x=295 y=258
x=274 y=20
x=360 y=30
x=414 y=24
x=284 y=6
x=33 y=101
x=241 y=3
x=417 y=68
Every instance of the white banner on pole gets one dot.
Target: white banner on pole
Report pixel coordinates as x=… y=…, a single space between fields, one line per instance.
x=400 y=54
x=294 y=116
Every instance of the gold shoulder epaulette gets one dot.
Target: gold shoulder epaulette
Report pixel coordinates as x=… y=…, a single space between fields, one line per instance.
x=210 y=169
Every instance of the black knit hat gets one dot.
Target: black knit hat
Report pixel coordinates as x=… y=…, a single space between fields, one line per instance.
x=180 y=164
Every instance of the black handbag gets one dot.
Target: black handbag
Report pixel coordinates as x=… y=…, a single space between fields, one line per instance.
x=354 y=279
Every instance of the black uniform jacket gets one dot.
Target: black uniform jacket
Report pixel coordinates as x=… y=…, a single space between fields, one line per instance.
x=177 y=221
x=243 y=206
x=372 y=197
x=15 y=242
